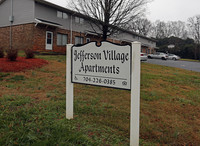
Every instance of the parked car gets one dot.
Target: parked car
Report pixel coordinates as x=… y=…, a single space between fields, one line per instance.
x=173 y=57
x=143 y=56
x=158 y=55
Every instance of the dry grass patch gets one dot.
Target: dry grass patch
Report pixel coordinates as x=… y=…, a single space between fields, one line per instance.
x=38 y=84
x=169 y=115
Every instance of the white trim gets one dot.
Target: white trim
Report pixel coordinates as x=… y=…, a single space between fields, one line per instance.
x=49 y=46
x=50 y=24
x=135 y=95
x=69 y=85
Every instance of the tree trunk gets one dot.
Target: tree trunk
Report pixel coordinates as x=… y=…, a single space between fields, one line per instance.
x=105 y=31
x=199 y=51
x=195 y=52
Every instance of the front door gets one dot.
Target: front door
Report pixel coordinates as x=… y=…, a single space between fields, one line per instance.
x=49 y=40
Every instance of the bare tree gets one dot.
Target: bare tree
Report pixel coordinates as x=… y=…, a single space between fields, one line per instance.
x=141 y=26
x=161 y=29
x=110 y=13
x=194 y=26
x=179 y=29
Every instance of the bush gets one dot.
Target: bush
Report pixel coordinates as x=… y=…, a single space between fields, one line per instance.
x=29 y=53
x=1 y=53
x=12 y=54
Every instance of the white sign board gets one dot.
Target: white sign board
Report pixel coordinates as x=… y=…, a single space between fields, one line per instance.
x=106 y=65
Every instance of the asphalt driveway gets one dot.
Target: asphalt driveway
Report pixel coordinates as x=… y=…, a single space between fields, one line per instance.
x=193 y=66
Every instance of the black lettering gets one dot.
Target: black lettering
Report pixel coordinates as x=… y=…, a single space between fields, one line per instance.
x=91 y=56
x=117 y=70
x=127 y=58
x=101 y=69
x=106 y=69
x=75 y=55
x=114 y=69
x=118 y=57
x=105 y=54
x=82 y=67
x=123 y=58
x=96 y=68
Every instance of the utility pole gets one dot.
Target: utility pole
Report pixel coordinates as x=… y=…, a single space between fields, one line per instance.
x=11 y=19
x=71 y=27
x=71 y=30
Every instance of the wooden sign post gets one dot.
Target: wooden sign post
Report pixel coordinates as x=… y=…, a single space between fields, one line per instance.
x=135 y=95
x=108 y=65
x=69 y=85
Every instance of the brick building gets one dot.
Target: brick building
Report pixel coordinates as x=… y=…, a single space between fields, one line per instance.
x=43 y=26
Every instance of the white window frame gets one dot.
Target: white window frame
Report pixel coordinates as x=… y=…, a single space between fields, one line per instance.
x=49 y=46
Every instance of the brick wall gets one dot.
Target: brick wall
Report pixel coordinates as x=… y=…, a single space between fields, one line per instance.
x=40 y=38
x=4 y=37
x=31 y=36
x=21 y=36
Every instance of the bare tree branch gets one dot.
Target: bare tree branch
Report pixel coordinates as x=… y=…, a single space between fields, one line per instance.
x=141 y=26
x=194 y=26
x=109 y=13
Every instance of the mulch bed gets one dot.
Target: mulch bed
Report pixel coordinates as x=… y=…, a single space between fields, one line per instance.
x=20 y=64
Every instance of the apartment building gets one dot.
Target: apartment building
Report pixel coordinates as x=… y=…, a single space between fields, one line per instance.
x=44 y=26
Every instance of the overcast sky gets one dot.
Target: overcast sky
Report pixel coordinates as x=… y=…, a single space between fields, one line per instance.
x=173 y=10
x=164 y=10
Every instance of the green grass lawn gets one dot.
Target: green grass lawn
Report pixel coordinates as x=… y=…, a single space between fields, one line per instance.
x=192 y=60
x=32 y=108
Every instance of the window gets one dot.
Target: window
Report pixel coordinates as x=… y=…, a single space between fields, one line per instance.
x=79 y=20
x=49 y=38
x=65 y=16
x=78 y=40
x=61 y=39
x=59 y=14
x=62 y=15
x=64 y=39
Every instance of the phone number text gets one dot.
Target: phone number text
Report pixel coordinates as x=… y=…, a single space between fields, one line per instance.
x=99 y=80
